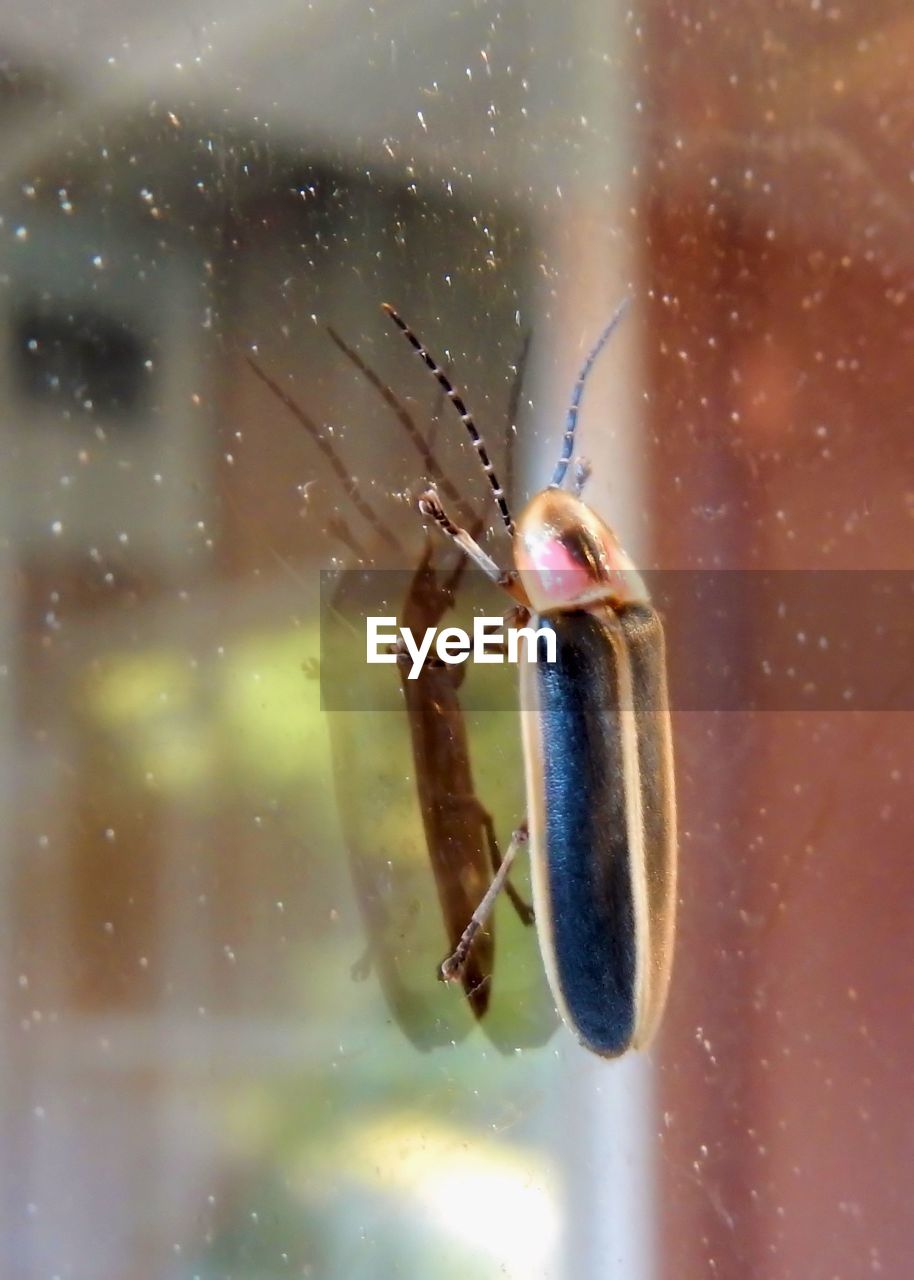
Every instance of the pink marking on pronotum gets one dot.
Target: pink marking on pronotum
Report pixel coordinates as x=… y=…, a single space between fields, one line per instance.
x=560 y=576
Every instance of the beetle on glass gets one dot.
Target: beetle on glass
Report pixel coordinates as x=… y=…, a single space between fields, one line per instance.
x=598 y=755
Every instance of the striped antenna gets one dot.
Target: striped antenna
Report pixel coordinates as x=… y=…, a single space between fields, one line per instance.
x=571 y=421
x=455 y=399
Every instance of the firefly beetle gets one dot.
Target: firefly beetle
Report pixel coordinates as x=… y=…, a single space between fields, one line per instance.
x=597 y=743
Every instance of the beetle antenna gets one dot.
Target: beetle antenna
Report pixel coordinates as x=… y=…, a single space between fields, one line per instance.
x=446 y=385
x=349 y=483
x=340 y=529
x=404 y=417
x=571 y=421
x=517 y=386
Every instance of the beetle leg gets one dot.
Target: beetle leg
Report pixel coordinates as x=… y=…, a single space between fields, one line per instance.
x=520 y=905
x=452 y=967
x=518 y=902
x=517 y=616
x=430 y=506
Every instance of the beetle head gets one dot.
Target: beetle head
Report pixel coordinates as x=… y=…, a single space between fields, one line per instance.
x=568 y=558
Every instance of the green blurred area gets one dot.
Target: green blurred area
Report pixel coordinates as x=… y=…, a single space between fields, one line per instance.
x=245 y=720
x=371 y=1119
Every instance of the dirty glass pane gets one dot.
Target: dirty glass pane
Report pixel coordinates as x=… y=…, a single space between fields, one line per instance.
x=225 y=1051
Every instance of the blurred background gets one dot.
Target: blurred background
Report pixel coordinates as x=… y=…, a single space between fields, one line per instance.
x=214 y=1062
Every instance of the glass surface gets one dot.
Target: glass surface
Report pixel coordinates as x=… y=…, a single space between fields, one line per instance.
x=224 y=1050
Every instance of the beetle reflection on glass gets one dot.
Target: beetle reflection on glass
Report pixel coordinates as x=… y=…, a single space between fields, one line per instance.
x=404 y=941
